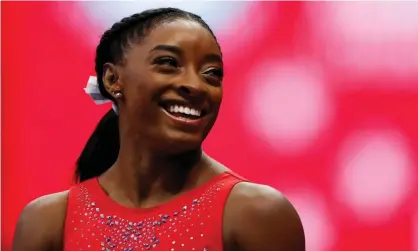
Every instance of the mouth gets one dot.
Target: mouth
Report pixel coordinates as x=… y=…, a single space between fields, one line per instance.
x=183 y=110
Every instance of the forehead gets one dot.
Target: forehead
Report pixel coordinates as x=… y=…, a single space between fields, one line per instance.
x=189 y=35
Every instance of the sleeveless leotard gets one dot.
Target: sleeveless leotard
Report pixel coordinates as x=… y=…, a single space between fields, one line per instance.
x=192 y=221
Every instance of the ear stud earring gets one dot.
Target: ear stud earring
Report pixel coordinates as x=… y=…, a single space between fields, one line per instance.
x=117 y=94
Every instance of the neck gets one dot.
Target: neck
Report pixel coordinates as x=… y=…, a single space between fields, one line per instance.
x=141 y=177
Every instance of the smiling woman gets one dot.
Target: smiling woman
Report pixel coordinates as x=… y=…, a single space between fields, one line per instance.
x=143 y=180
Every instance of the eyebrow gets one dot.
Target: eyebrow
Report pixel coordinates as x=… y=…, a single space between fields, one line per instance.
x=177 y=50
x=170 y=48
x=214 y=58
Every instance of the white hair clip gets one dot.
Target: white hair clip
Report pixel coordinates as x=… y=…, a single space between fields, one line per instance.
x=92 y=89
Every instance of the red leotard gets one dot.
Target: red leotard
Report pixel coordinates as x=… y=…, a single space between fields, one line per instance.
x=192 y=221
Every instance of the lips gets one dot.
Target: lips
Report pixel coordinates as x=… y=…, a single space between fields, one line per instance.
x=182 y=109
x=184 y=115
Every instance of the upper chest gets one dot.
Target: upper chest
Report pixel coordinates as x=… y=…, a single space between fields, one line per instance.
x=194 y=223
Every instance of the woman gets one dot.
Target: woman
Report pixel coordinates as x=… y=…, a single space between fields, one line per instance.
x=144 y=182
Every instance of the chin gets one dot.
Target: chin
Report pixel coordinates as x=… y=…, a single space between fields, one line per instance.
x=177 y=143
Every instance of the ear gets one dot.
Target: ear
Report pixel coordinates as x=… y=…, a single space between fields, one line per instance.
x=111 y=79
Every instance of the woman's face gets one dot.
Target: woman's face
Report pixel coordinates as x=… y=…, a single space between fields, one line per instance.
x=172 y=86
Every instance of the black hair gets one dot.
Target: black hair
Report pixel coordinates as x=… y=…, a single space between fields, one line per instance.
x=102 y=148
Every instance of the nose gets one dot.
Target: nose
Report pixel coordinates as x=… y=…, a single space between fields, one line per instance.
x=192 y=88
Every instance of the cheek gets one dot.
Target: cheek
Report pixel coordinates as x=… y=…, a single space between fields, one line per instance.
x=137 y=99
x=216 y=96
x=136 y=87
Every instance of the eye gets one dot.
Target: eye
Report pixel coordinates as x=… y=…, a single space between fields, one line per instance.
x=219 y=73
x=166 y=61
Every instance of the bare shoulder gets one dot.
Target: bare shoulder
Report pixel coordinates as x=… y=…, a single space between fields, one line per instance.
x=258 y=217
x=41 y=222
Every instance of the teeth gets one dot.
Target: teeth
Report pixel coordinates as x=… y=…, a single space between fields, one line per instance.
x=184 y=110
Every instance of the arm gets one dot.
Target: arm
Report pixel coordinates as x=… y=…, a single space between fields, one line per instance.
x=262 y=219
x=40 y=225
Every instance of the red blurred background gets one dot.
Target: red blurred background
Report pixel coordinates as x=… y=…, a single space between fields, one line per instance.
x=321 y=102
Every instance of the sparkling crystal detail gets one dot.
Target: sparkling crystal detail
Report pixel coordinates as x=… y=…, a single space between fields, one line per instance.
x=146 y=231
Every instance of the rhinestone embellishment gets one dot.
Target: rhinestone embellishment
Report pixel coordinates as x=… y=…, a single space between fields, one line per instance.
x=107 y=231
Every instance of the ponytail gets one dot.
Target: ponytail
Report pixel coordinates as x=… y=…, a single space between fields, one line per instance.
x=101 y=150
